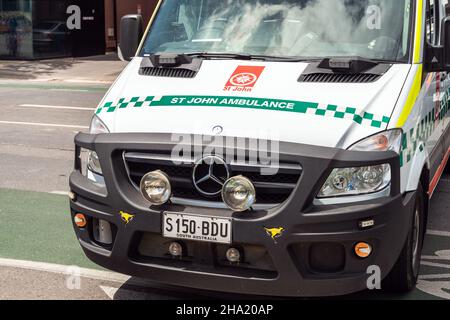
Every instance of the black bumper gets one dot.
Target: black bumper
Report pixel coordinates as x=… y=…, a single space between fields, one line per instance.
x=311 y=232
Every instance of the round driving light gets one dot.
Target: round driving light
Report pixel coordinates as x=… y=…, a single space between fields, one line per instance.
x=156 y=188
x=363 y=250
x=239 y=194
x=176 y=249
x=80 y=220
x=233 y=255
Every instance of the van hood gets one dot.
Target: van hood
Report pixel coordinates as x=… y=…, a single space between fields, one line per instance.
x=261 y=100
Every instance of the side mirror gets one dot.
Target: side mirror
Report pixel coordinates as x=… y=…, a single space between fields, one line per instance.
x=131 y=31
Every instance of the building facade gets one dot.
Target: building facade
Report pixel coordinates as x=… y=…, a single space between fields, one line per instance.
x=40 y=29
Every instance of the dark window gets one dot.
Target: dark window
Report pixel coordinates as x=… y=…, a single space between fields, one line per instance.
x=433 y=22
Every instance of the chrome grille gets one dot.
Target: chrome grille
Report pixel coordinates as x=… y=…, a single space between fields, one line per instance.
x=271 y=190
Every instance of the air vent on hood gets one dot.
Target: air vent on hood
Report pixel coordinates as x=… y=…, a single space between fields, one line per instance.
x=167 y=72
x=339 y=77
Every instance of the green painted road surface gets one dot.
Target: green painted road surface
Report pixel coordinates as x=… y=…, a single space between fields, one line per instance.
x=37 y=227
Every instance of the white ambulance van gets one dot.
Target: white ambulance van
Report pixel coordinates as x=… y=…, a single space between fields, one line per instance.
x=270 y=147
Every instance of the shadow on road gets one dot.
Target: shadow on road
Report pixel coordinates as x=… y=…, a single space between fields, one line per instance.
x=26 y=70
x=103 y=67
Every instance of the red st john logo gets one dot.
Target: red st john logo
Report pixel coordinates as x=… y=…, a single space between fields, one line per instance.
x=244 y=78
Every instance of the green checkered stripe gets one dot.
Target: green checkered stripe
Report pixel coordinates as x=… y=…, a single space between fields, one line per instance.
x=124 y=103
x=323 y=110
x=349 y=113
x=416 y=137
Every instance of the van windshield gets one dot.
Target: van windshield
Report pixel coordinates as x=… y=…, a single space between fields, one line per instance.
x=373 y=29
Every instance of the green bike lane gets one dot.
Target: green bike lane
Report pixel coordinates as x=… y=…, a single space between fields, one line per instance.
x=36 y=227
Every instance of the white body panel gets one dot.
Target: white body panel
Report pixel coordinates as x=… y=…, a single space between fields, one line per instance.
x=278 y=81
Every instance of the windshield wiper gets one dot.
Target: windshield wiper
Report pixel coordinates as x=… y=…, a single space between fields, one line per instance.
x=172 y=60
x=210 y=55
x=245 y=56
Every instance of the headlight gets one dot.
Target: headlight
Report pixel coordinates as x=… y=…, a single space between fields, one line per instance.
x=355 y=181
x=368 y=179
x=94 y=162
x=239 y=194
x=155 y=187
x=97 y=127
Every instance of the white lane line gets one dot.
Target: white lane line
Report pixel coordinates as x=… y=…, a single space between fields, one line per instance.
x=44 y=124
x=67 y=89
x=88 y=81
x=60 y=193
x=68 y=270
x=43 y=106
x=98 y=275
x=439 y=233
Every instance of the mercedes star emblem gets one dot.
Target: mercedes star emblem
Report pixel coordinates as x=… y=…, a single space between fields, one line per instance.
x=209 y=175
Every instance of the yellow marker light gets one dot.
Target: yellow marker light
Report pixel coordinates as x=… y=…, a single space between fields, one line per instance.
x=363 y=250
x=80 y=220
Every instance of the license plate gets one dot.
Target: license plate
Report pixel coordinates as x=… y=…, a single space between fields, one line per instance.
x=206 y=229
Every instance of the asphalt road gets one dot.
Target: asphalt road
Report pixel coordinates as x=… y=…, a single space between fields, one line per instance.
x=37 y=243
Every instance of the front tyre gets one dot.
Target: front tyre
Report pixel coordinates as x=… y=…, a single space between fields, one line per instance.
x=404 y=275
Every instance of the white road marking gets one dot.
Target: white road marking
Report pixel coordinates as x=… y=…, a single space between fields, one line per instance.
x=62 y=269
x=43 y=106
x=124 y=293
x=60 y=193
x=44 y=124
x=67 y=89
x=437 y=265
x=88 y=81
x=435 y=258
x=99 y=275
x=110 y=291
x=435 y=288
x=439 y=255
x=435 y=276
x=439 y=233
